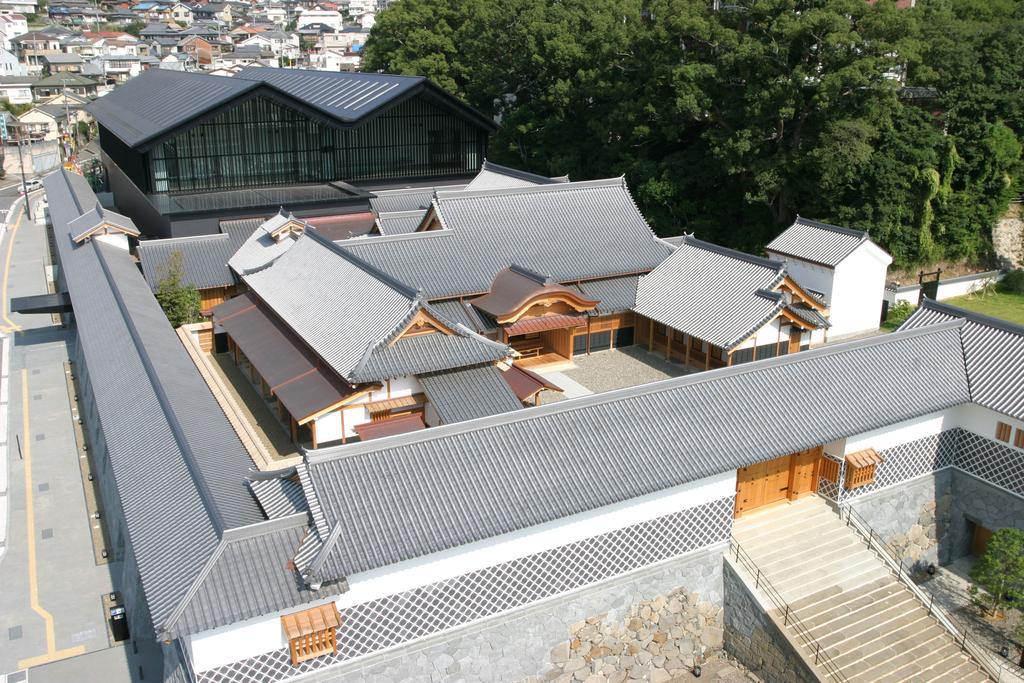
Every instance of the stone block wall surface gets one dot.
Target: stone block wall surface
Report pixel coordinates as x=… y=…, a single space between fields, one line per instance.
x=913 y=518
x=974 y=500
x=637 y=626
x=755 y=641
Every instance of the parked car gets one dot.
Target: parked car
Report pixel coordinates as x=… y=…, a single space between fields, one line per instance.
x=31 y=186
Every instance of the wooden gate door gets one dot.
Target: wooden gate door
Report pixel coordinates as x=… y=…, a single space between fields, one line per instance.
x=804 y=468
x=749 y=488
x=776 y=479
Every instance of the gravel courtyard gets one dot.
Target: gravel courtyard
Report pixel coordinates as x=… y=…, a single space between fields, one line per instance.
x=628 y=367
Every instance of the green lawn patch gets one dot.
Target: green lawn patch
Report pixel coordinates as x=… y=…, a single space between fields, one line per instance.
x=998 y=305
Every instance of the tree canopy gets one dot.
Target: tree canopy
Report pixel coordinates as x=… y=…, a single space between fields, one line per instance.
x=729 y=119
x=180 y=302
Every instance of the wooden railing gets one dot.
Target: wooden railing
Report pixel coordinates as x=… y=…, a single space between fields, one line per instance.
x=789 y=619
x=996 y=670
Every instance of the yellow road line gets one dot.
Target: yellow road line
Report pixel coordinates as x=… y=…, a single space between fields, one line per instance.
x=14 y=327
x=52 y=653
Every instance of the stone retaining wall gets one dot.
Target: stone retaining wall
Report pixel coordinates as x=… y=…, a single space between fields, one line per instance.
x=642 y=624
x=754 y=639
x=913 y=518
x=977 y=501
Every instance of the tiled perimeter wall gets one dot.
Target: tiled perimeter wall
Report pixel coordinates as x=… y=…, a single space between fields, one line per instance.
x=946 y=482
x=513 y=647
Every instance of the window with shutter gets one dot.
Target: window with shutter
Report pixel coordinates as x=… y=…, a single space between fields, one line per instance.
x=1002 y=431
x=312 y=633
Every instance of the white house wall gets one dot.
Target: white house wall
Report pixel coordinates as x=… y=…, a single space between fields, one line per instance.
x=253 y=637
x=808 y=275
x=857 y=291
x=329 y=427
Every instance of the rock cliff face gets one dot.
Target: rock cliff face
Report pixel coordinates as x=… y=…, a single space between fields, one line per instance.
x=1008 y=237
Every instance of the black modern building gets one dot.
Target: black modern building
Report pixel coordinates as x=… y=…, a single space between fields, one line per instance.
x=184 y=150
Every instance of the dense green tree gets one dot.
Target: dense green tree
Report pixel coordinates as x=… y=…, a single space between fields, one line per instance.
x=729 y=122
x=179 y=301
x=1000 y=571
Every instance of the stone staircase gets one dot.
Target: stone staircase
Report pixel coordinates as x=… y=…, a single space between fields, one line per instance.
x=871 y=626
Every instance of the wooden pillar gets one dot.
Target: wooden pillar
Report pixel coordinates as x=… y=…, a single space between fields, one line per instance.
x=588 y=340
x=669 y=333
x=778 y=343
x=650 y=334
x=707 y=356
x=342 y=414
x=312 y=432
x=730 y=359
x=688 y=340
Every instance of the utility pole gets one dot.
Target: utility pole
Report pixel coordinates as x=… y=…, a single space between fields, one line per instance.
x=24 y=182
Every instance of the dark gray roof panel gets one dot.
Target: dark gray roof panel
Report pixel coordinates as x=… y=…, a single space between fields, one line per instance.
x=400 y=222
x=346 y=96
x=408 y=496
x=615 y=295
x=469 y=393
x=250 y=577
x=570 y=231
x=158 y=100
x=993 y=350
x=178 y=466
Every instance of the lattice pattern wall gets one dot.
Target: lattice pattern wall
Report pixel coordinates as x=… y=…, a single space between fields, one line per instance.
x=373 y=626
x=992 y=461
x=984 y=458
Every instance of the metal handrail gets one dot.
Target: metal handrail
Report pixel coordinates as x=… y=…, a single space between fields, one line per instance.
x=789 y=618
x=979 y=653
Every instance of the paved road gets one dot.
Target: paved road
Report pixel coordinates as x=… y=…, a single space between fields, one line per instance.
x=51 y=597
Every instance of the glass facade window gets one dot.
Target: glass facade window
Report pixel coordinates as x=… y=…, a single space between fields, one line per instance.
x=600 y=341
x=263 y=142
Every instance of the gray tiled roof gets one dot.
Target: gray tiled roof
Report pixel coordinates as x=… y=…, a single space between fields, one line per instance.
x=493 y=176
x=572 y=231
x=257 y=247
x=250 y=577
x=810 y=316
x=465 y=313
x=407 y=199
x=818 y=242
x=427 y=353
x=177 y=463
x=508 y=472
x=158 y=100
x=469 y=393
x=993 y=351
x=349 y=314
x=204 y=258
x=400 y=222
x=615 y=295
x=715 y=294
x=279 y=496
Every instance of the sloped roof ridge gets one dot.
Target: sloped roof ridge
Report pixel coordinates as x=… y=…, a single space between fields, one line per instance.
x=426 y=234
x=395 y=284
x=531 y=274
x=980 y=318
x=734 y=253
x=620 y=181
x=202 y=487
x=520 y=174
x=833 y=228
x=186 y=238
x=581 y=403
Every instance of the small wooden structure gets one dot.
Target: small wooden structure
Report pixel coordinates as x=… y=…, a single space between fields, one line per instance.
x=312 y=632
x=860 y=468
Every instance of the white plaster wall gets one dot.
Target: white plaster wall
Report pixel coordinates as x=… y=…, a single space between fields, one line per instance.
x=262 y=634
x=119 y=240
x=982 y=421
x=328 y=427
x=857 y=291
x=233 y=642
x=430 y=416
x=808 y=275
x=902 y=432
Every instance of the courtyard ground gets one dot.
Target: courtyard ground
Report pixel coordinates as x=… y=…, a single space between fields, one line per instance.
x=610 y=370
x=950 y=586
